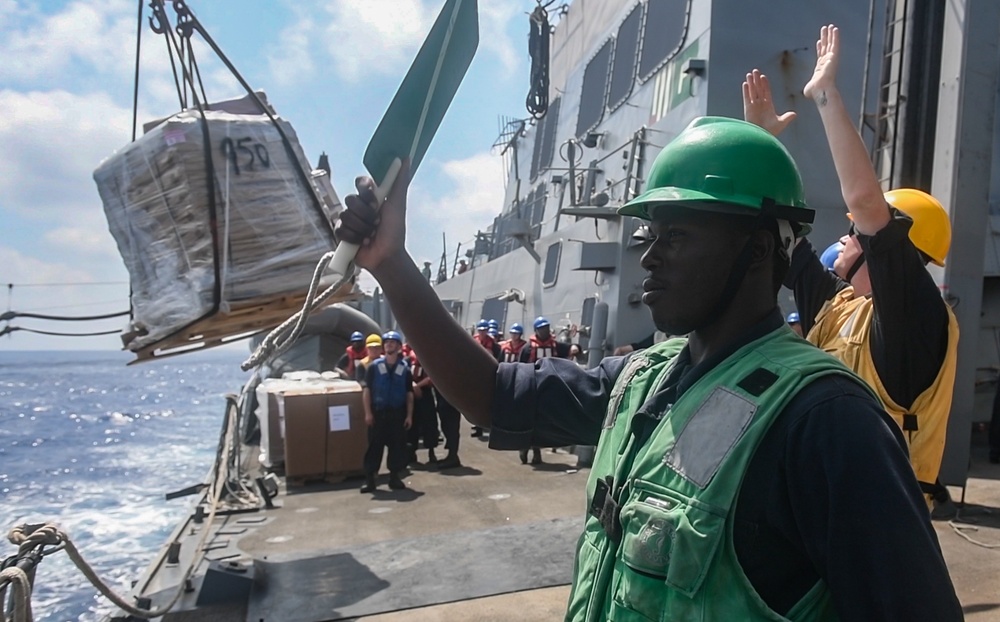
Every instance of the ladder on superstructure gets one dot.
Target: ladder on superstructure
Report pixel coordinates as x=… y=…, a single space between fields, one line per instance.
x=881 y=131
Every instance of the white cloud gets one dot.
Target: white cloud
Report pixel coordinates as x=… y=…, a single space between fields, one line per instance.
x=494 y=16
x=52 y=144
x=364 y=38
x=375 y=37
x=20 y=268
x=474 y=198
x=93 y=33
x=291 y=60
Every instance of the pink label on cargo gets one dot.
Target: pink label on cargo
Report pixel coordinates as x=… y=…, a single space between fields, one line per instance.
x=172 y=137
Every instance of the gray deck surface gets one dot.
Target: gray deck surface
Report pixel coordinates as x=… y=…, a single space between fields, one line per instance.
x=493 y=540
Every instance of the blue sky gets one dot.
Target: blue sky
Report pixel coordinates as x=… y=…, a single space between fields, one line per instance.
x=329 y=67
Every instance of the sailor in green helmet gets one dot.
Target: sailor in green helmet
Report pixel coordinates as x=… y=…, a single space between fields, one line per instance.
x=732 y=463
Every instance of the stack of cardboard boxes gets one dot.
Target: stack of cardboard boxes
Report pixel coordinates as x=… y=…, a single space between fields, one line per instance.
x=314 y=426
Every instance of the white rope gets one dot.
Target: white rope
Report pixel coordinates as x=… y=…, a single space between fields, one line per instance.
x=20 y=610
x=271 y=348
x=958 y=527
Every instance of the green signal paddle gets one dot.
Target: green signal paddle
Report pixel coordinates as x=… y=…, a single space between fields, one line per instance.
x=416 y=111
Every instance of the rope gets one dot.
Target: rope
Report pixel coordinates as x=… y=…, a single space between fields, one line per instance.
x=271 y=348
x=537 y=101
x=20 y=595
x=6 y=330
x=10 y=315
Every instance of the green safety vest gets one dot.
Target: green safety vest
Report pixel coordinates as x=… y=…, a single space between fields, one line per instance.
x=658 y=542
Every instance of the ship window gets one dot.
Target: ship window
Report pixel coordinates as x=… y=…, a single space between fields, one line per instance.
x=550 y=121
x=662 y=35
x=552 y=264
x=536 y=151
x=545 y=134
x=495 y=309
x=623 y=68
x=595 y=87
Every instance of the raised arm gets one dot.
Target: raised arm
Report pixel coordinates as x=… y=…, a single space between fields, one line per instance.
x=758 y=104
x=858 y=183
x=462 y=369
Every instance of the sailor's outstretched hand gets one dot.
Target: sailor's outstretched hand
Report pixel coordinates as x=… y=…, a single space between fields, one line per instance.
x=824 y=78
x=380 y=232
x=758 y=104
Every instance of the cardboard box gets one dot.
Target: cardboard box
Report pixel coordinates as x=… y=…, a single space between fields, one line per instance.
x=305 y=415
x=323 y=428
x=272 y=437
x=347 y=434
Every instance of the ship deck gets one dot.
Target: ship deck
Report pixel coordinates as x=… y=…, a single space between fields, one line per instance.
x=492 y=540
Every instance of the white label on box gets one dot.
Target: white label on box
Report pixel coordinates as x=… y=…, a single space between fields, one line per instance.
x=281 y=414
x=340 y=418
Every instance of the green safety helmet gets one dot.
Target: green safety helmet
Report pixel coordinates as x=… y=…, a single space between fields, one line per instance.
x=725 y=165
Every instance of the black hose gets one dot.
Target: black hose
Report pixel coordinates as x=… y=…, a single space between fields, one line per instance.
x=537 y=101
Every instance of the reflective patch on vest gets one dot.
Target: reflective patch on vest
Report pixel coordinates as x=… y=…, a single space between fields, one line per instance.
x=637 y=363
x=382 y=369
x=400 y=368
x=709 y=435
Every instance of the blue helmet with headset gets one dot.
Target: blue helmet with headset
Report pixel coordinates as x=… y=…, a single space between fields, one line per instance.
x=540 y=322
x=830 y=255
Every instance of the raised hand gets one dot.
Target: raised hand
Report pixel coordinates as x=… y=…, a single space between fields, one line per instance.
x=824 y=78
x=381 y=233
x=758 y=105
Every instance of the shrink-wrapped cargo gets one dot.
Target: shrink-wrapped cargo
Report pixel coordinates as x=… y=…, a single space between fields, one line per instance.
x=214 y=213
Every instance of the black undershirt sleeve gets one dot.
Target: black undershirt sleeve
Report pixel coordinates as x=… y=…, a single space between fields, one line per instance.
x=830 y=494
x=811 y=284
x=910 y=328
x=551 y=403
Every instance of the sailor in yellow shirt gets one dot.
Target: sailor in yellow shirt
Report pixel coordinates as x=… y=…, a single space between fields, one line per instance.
x=880 y=311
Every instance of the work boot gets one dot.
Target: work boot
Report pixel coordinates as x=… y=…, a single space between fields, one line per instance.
x=524 y=456
x=395 y=483
x=431 y=457
x=536 y=455
x=369 y=485
x=450 y=461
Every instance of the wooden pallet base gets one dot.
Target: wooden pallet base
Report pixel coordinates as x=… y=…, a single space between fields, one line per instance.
x=241 y=321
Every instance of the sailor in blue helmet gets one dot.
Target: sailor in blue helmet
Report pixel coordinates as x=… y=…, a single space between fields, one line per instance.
x=734 y=466
x=388 y=400
x=510 y=350
x=354 y=352
x=544 y=345
x=830 y=255
x=794 y=322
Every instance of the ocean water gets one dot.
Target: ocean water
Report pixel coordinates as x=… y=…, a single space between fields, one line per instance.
x=93 y=445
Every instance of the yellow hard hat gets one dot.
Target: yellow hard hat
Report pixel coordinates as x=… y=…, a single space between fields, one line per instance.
x=373 y=340
x=931 y=230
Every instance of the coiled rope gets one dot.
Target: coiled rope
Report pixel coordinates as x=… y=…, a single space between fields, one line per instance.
x=537 y=101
